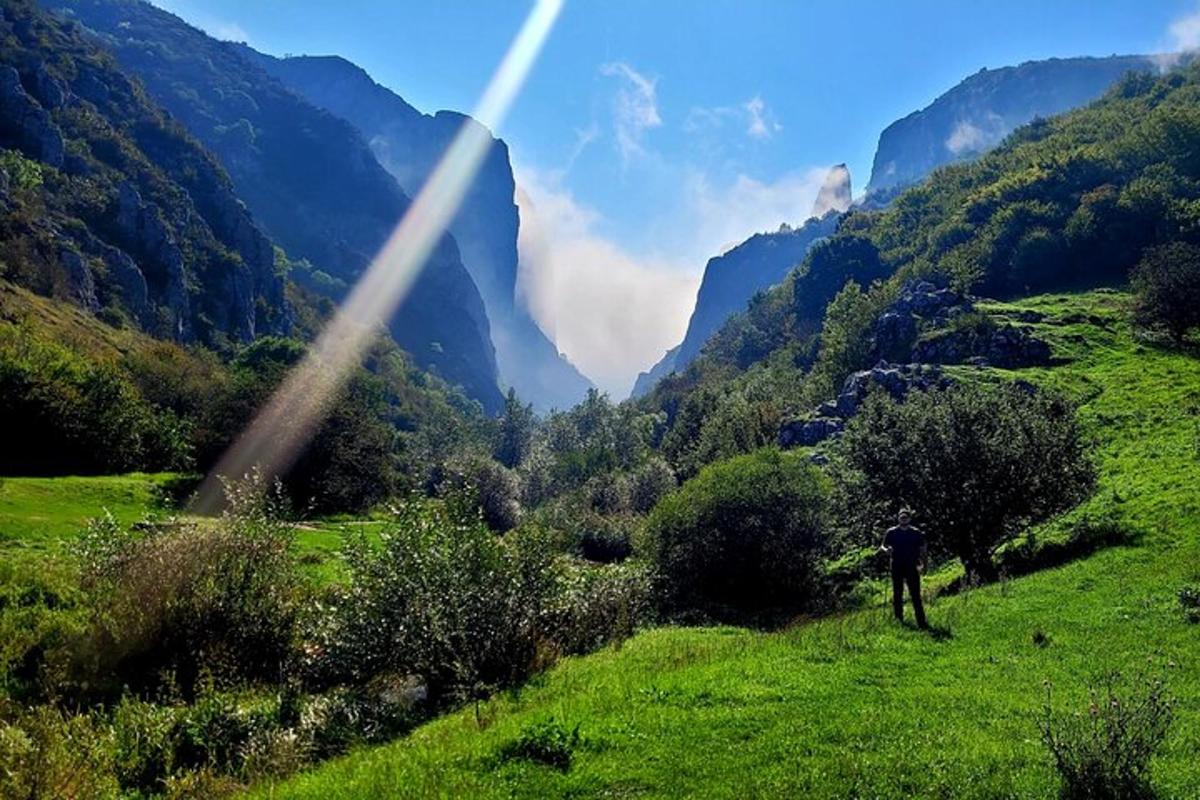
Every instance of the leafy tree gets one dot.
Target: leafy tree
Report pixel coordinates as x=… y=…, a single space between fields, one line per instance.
x=517 y=424
x=977 y=463
x=744 y=536
x=1166 y=283
x=845 y=338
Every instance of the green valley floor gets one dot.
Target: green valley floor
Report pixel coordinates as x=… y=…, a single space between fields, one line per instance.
x=855 y=705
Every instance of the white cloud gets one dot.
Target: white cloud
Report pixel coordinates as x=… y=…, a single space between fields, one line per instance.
x=975 y=136
x=717 y=214
x=635 y=107
x=229 y=32
x=1183 y=36
x=754 y=114
x=612 y=312
x=762 y=125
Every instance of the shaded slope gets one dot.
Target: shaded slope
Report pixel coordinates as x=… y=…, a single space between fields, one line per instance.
x=305 y=174
x=979 y=112
x=409 y=144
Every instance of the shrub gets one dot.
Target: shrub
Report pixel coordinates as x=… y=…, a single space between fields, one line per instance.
x=745 y=535
x=192 y=598
x=547 y=743
x=1104 y=752
x=1166 y=286
x=441 y=598
x=608 y=493
x=600 y=605
x=495 y=488
x=650 y=483
x=977 y=463
x=604 y=539
x=47 y=753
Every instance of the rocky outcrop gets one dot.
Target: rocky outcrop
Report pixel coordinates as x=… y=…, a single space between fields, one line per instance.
x=835 y=193
x=409 y=145
x=1006 y=346
x=928 y=324
x=25 y=123
x=829 y=419
x=978 y=113
x=144 y=231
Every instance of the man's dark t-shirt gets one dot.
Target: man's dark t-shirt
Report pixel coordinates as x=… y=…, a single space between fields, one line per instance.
x=906 y=544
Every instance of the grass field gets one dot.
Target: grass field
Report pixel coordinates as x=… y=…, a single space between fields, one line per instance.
x=39 y=515
x=856 y=706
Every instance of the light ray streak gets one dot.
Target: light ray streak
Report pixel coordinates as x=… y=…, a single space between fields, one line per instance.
x=276 y=436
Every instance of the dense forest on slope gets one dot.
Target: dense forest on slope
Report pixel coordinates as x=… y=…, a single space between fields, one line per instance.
x=108 y=202
x=307 y=175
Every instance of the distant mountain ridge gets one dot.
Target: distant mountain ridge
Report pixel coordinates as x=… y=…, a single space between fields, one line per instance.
x=734 y=277
x=306 y=175
x=409 y=145
x=977 y=113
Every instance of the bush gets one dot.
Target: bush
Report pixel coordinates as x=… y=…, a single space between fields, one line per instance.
x=604 y=539
x=1189 y=600
x=650 y=483
x=495 y=488
x=977 y=463
x=547 y=743
x=745 y=535
x=441 y=598
x=47 y=753
x=1105 y=752
x=1166 y=286
x=600 y=605
x=189 y=599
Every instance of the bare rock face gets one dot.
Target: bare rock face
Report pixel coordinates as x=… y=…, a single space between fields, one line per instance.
x=23 y=119
x=142 y=225
x=835 y=194
x=79 y=277
x=979 y=112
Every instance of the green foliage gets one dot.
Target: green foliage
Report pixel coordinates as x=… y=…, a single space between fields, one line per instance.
x=67 y=413
x=517 y=423
x=493 y=487
x=976 y=463
x=191 y=599
x=1166 y=285
x=845 y=338
x=439 y=597
x=547 y=743
x=1104 y=752
x=23 y=173
x=745 y=536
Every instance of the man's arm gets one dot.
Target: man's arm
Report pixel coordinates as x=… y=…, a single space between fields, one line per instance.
x=923 y=554
x=886 y=546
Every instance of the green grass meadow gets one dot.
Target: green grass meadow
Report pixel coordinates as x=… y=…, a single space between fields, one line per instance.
x=850 y=706
x=856 y=706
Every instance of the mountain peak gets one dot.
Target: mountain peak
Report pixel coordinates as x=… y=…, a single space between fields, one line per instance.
x=835 y=194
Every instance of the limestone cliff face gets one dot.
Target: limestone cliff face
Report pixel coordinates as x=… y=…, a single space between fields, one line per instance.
x=409 y=145
x=308 y=177
x=978 y=113
x=130 y=216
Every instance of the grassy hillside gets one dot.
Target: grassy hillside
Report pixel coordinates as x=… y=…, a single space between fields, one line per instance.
x=855 y=706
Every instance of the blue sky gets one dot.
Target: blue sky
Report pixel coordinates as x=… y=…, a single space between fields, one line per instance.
x=654 y=133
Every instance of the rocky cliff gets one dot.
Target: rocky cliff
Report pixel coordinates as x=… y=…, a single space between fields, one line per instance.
x=409 y=144
x=308 y=176
x=734 y=277
x=107 y=202
x=978 y=113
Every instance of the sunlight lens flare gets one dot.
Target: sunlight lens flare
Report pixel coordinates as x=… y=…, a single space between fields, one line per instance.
x=277 y=435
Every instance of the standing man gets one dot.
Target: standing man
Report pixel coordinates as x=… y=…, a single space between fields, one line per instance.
x=906 y=545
